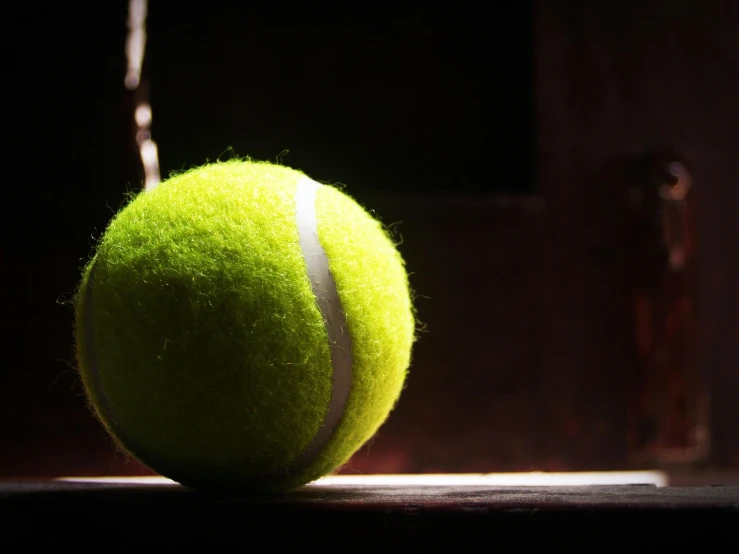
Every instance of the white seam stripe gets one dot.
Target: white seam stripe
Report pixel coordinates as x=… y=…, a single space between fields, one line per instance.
x=324 y=288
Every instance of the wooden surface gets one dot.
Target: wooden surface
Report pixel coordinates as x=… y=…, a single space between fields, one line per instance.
x=355 y=517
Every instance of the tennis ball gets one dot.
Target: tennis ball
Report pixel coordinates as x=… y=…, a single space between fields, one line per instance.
x=241 y=326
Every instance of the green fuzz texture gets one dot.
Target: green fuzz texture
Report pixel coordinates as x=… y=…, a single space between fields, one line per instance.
x=208 y=358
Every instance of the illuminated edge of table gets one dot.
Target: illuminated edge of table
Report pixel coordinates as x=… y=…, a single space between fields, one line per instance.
x=532 y=479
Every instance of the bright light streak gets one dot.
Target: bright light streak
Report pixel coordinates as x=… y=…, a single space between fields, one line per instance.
x=142 y=115
x=150 y=158
x=532 y=479
x=135 y=48
x=136 y=42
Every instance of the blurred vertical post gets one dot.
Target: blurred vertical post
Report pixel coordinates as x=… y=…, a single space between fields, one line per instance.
x=135 y=50
x=669 y=419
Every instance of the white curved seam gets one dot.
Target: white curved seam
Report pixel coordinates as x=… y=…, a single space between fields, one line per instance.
x=327 y=297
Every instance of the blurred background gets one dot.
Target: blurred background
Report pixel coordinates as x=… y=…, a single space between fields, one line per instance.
x=564 y=175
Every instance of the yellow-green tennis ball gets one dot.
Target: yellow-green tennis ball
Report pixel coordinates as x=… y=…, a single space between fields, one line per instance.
x=242 y=326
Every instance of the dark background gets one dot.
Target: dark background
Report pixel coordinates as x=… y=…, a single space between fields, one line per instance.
x=503 y=145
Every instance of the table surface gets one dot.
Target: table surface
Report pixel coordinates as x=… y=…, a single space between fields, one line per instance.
x=366 y=512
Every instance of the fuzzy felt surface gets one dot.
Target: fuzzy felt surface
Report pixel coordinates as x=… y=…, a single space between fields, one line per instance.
x=200 y=343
